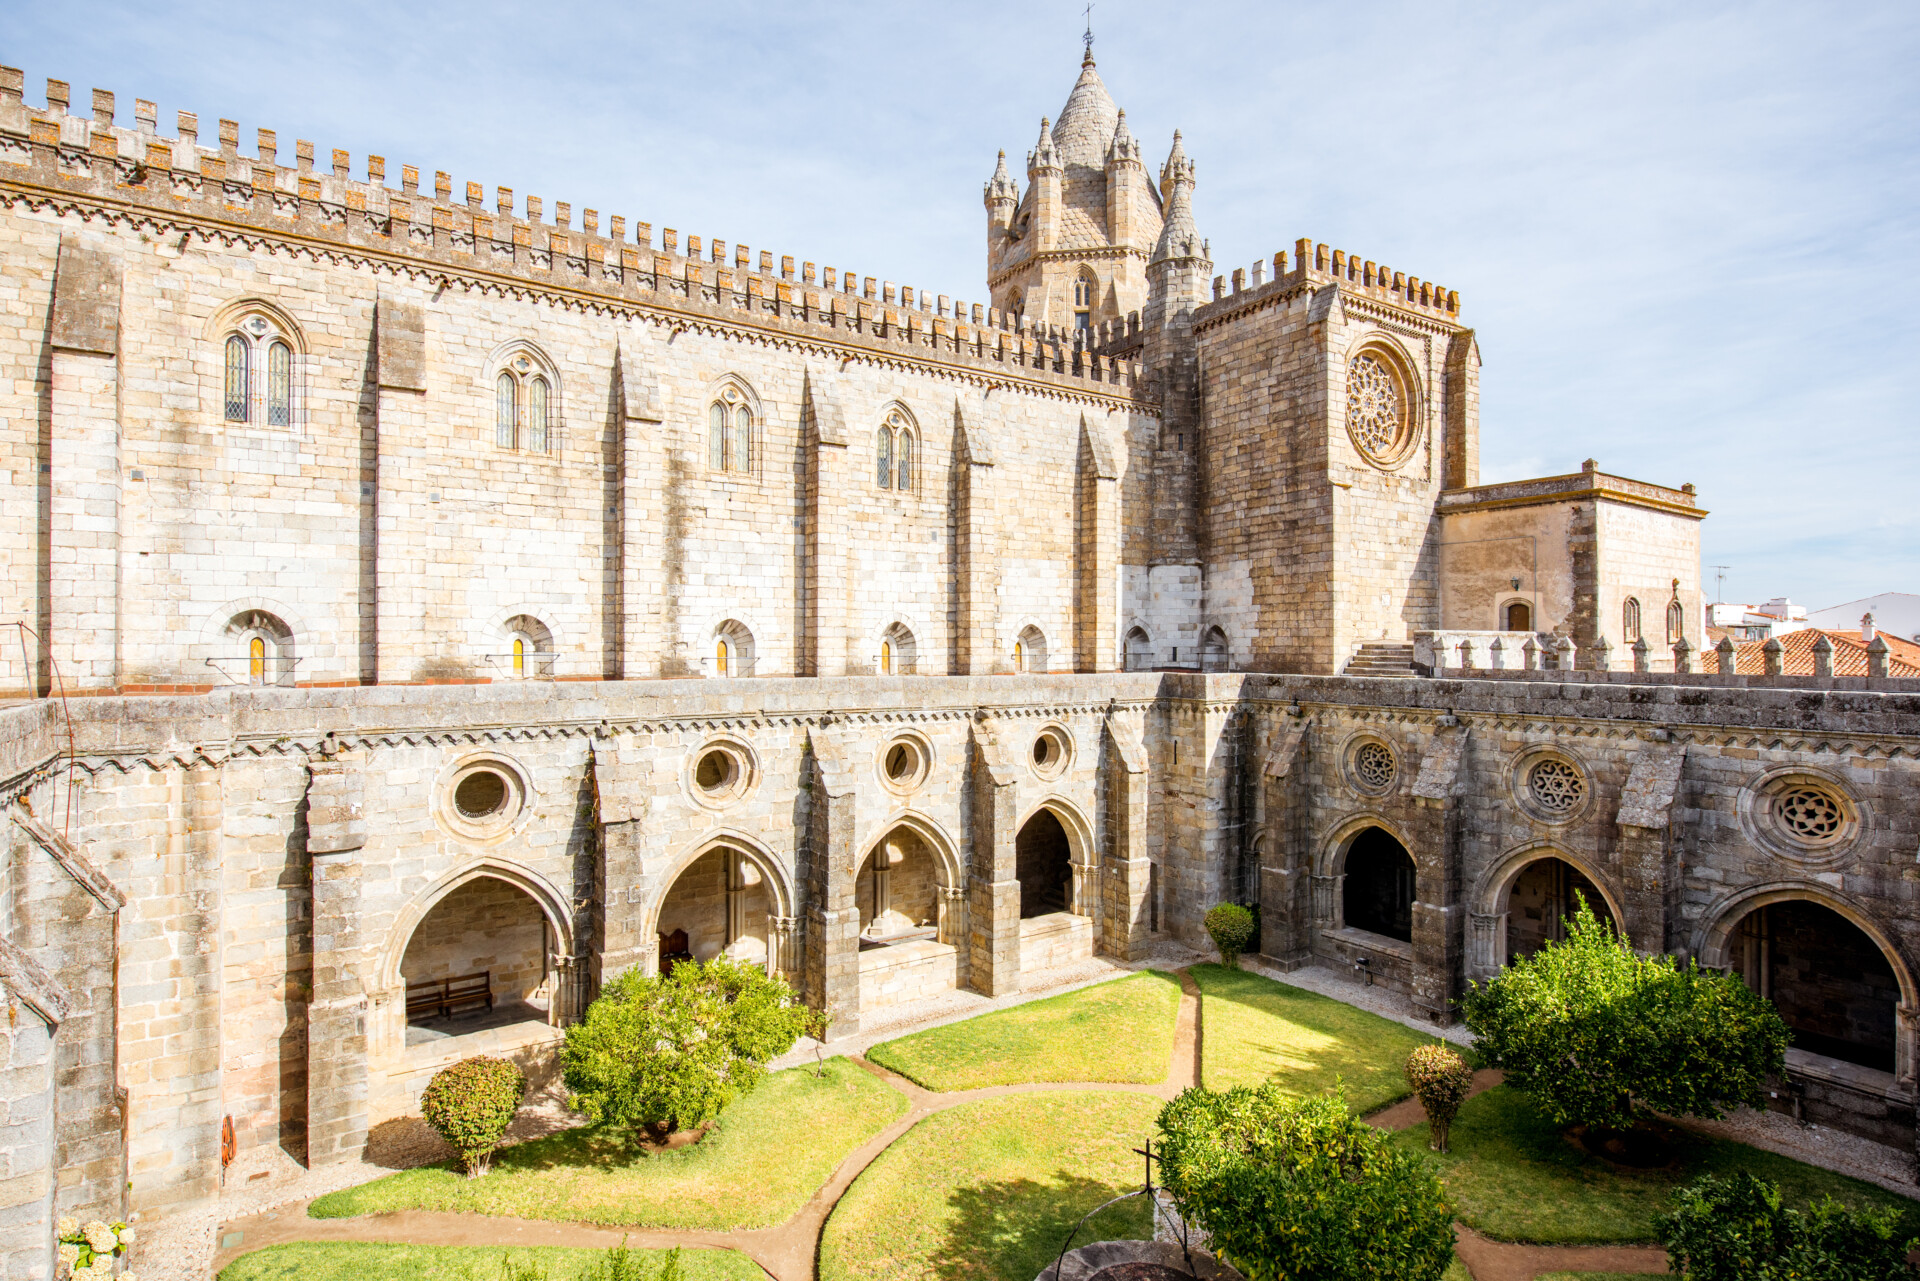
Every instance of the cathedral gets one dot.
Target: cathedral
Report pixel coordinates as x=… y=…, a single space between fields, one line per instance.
x=419 y=598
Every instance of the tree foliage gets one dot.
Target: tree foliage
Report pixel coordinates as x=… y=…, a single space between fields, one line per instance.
x=671 y=1052
x=1592 y=1031
x=471 y=1104
x=1231 y=926
x=1440 y=1079
x=1301 y=1189
x=1733 y=1228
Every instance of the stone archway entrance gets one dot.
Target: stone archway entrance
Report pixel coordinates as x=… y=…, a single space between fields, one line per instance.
x=1378 y=886
x=1542 y=899
x=1831 y=983
x=719 y=904
x=478 y=960
x=1054 y=928
x=910 y=921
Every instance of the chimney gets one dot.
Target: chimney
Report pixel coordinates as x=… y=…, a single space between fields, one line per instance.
x=1866 y=627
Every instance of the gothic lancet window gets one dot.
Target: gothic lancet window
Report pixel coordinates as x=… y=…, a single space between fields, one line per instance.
x=731 y=444
x=257 y=387
x=1630 y=621
x=895 y=453
x=1083 y=291
x=523 y=406
x=1676 y=621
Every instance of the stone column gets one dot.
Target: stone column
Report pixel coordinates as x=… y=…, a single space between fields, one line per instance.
x=82 y=621
x=832 y=971
x=994 y=911
x=824 y=647
x=1286 y=926
x=404 y=635
x=639 y=616
x=1125 y=922
x=1649 y=883
x=1327 y=892
x=976 y=570
x=620 y=883
x=1438 y=930
x=1096 y=569
x=1484 y=954
x=338 y=1015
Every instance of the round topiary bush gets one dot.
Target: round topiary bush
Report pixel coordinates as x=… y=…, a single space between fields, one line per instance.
x=1231 y=927
x=1440 y=1079
x=471 y=1104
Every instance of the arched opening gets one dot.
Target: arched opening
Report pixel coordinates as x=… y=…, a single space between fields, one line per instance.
x=1379 y=886
x=1630 y=621
x=897 y=652
x=1139 y=650
x=1213 y=650
x=1043 y=864
x=1676 y=621
x=529 y=651
x=478 y=960
x=1832 y=983
x=262 y=651
x=732 y=650
x=1543 y=897
x=1030 y=650
x=908 y=921
x=1519 y=617
x=719 y=904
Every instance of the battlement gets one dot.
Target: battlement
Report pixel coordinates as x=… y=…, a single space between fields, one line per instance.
x=1314 y=263
x=61 y=152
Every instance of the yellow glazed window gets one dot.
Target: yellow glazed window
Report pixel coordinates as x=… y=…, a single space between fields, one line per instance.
x=1019 y=657
x=720 y=658
x=257 y=658
x=886 y=658
x=519 y=656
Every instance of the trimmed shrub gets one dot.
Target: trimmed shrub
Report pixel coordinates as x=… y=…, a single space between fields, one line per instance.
x=1733 y=1228
x=1595 y=1033
x=1302 y=1189
x=1440 y=1079
x=471 y=1104
x=670 y=1052
x=1231 y=928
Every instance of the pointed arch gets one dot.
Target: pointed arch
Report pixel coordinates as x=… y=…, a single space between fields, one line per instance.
x=545 y=894
x=735 y=425
x=946 y=853
x=778 y=879
x=1712 y=939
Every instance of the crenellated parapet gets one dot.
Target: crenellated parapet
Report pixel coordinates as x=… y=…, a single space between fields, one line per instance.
x=54 y=158
x=1313 y=264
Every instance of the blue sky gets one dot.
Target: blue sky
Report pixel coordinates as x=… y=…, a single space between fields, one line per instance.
x=1686 y=234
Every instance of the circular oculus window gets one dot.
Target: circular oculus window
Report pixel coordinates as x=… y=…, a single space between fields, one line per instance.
x=720 y=773
x=1801 y=816
x=1052 y=749
x=1379 y=412
x=904 y=763
x=1373 y=766
x=482 y=799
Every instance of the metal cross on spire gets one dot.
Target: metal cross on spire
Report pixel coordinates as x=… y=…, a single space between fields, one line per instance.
x=1088 y=38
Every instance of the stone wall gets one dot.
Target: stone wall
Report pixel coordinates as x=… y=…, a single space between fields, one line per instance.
x=484 y=926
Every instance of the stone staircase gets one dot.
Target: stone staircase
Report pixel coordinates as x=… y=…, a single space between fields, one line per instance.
x=1383 y=658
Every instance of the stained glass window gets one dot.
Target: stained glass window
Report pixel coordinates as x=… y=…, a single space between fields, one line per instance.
x=537 y=415
x=883 y=458
x=279 y=385
x=742 y=458
x=505 y=412
x=238 y=359
x=717 y=436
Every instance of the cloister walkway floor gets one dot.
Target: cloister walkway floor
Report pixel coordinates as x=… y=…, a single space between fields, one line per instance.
x=788 y=1251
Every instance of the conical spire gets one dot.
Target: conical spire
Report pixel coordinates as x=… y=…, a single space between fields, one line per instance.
x=1179 y=238
x=1176 y=161
x=1124 y=145
x=1043 y=155
x=1001 y=186
x=1085 y=127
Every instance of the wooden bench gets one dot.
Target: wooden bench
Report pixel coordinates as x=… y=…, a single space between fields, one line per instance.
x=444 y=996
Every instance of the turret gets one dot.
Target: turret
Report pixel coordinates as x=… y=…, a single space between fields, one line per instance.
x=1002 y=197
x=1130 y=212
x=1044 y=174
x=1177 y=273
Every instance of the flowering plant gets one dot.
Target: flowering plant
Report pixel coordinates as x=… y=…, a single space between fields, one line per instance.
x=88 y=1250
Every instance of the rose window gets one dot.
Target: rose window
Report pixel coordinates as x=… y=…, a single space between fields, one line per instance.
x=1556 y=786
x=1810 y=816
x=1376 y=408
x=1373 y=766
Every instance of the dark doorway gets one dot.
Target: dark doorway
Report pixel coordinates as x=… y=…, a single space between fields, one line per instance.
x=1542 y=899
x=1830 y=982
x=1379 y=886
x=1043 y=863
x=1519 y=617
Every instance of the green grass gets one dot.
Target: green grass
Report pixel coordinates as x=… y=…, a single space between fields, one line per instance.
x=1513 y=1176
x=1457 y=1271
x=758 y=1165
x=362 y=1261
x=988 y=1191
x=1118 y=1031
x=1253 y=1029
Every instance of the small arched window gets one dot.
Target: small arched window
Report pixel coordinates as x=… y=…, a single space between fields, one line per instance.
x=523 y=406
x=519 y=656
x=730 y=433
x=1030 y=650
x=1630 y=621
x=897 y=650
x=720 y=656
x=886 y=658
x=262 y=648
x=1139 y=650
x=894 y=452
x=529 y=654
x=257 y=386
x=1676 y=621
x=257 y=660
x=732 y=649
x=1084 y=289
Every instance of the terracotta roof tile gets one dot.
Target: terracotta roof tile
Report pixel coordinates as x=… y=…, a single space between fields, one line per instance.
x=1849 y=655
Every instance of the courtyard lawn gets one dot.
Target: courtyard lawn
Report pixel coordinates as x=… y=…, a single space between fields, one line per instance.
x=1513 y=1176
x=1604 y=1276
x=1253 y=1030
x=1117 y=1031
x=782 y=1141
x=361 y=1261
x=990 y=1190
